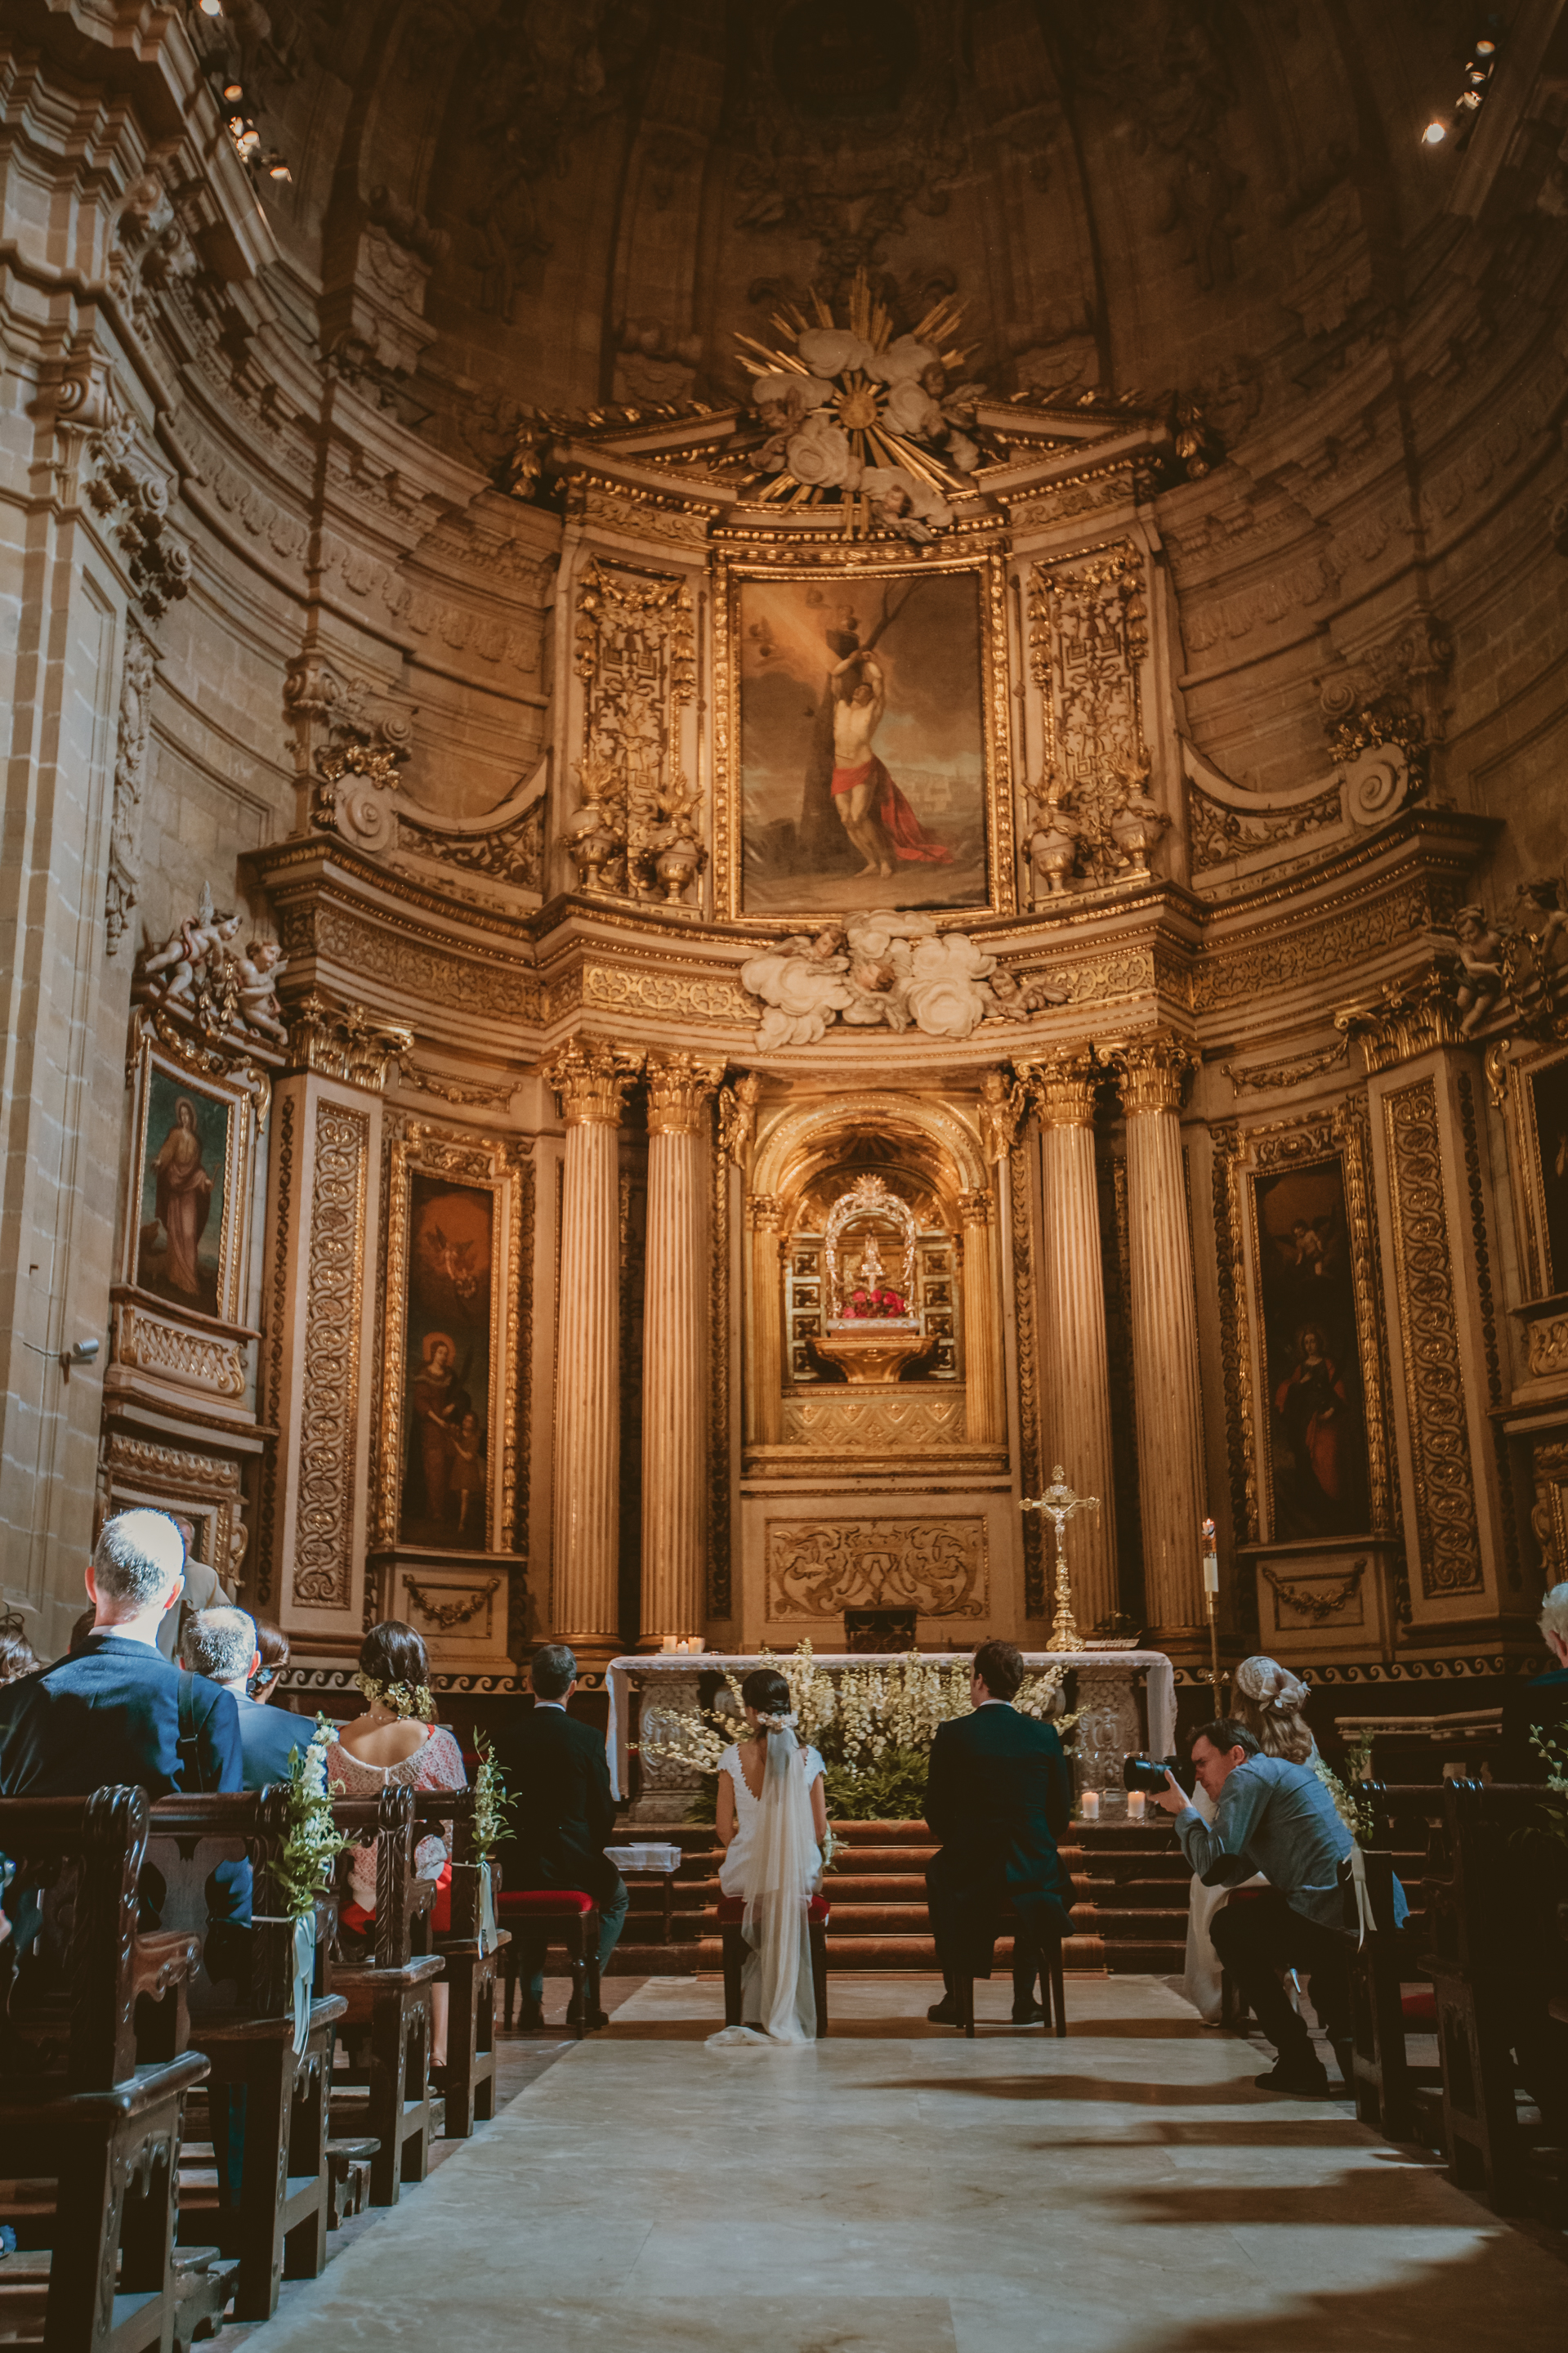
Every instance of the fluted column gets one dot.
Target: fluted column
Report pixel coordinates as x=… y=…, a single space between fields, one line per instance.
x=984 y=1411
x=675 y=1316
x=1152 y=1073
x=764 y=1398
x=1076 y=1380
x=590 y=1077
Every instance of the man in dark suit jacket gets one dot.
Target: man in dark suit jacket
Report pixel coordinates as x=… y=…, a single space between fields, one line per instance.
x=564 y=1811
x=998 y=1797
x=116 y=1710
x=221 y=1645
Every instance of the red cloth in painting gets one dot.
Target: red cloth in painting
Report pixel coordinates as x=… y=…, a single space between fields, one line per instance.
x=1317 y=1385
x=889 y=810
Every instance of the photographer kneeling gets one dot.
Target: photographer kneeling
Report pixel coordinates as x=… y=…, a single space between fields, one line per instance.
x=1277 y=1818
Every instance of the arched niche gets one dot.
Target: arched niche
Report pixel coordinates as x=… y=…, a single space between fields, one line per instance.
x=932 y=1152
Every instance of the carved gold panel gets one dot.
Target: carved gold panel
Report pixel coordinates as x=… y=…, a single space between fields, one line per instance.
x=818 y=1568
x=323 y=1554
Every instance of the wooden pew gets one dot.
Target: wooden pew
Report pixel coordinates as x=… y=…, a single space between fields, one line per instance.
x=467 y=2079
x=1492 y=1960
x=242 y=2017
x=386 y=2025
x=1389 y=2087
x=78 y=2108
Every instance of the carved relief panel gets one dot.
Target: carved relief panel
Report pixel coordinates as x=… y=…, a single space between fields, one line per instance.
x=936 y=1566
x=636 y=830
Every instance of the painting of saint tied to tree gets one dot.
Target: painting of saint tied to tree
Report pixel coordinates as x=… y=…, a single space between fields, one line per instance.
x=862 y=744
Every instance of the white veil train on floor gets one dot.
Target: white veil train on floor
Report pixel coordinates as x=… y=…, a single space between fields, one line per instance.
x=785 y=1865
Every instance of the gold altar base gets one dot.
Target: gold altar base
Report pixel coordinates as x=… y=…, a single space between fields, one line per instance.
x=874 y=1357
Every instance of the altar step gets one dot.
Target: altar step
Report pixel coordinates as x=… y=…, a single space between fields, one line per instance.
x=1130 y=1884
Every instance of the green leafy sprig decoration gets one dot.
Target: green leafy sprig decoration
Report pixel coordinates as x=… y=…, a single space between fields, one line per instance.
x=303 y=1869
x=493 y=1801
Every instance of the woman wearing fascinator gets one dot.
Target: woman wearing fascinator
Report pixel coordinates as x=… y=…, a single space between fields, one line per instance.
x=772 y=1825
x=1270 y=1700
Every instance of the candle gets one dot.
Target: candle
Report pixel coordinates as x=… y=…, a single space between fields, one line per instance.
x=668 y=1643
x=1135 y=1799
x=1211 y=1559
x=1089 y=1806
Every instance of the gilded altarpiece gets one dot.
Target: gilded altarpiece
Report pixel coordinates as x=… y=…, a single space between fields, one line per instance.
x=451 y=1505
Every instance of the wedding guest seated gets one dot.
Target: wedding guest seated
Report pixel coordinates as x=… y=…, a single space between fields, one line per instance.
x=1276 y=1817
x=1548 y=1694
x=202 y=1590
x=998 y=1797
x=221 y=1645
x=113 y=1710
x=564 y=1814
x=18 y=1656
x=396 y=1744
x=273 y=1644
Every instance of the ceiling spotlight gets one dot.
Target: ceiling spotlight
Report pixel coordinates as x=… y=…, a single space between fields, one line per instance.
x=1476 y=77
x=1470 y=98
x=1486 y=48
x=233 y=90
x=1435 y=133
x=212 y=7
x=279 y=169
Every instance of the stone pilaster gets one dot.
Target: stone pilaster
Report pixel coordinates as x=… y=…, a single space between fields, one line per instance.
x=764 y=1393
x=985 y=1410
x=675 y=1354
x=590 y=1077
x=1152 y=1073
x=1075 y=1378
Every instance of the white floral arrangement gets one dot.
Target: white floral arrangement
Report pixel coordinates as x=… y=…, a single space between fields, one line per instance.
x=304 y=1866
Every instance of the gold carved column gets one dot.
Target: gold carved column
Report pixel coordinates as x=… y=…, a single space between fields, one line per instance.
x=675 y=1317
x=764 y=1389
x=590 y=1077
x=985 y=1411
x=1076 y=1378
x=1152 y=1073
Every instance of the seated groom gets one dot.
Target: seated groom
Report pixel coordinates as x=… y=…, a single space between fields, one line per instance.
x=556 y=1772
x=998 y=1797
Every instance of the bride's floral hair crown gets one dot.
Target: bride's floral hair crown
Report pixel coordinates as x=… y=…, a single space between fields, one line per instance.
x=403 y=1699
x=777 y=1723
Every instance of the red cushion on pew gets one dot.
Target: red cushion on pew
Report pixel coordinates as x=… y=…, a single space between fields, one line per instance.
x=544 y=1901
x=732 y=1909
x=1419 y=2005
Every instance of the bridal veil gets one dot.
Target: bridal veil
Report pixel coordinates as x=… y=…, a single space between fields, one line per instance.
x=785 y=1865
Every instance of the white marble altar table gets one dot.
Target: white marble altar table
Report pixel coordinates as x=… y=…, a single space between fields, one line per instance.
x=1106 y=1691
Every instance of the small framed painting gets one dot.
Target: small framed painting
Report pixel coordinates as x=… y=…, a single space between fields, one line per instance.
x=861 y=754
x=195 y=1125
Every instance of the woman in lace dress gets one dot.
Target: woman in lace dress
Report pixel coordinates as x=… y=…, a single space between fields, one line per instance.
x=394 y=1745
x=1269 y=1700
x=773 y=1824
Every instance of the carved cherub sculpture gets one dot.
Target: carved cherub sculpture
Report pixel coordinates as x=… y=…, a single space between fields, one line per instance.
x=1020 y=1000
x=1001 y=1104
x=1481 y=954
x=258 y=971
x=200 y=938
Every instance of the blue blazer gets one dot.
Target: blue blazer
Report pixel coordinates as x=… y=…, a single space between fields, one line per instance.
x=111 y=1713
x=268 y=1737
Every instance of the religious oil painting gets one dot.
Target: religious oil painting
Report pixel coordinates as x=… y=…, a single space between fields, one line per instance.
x=862 y=743
x=184 y=1164
x=1549 y=1103
x=1316 y=1451
x=447 y=1414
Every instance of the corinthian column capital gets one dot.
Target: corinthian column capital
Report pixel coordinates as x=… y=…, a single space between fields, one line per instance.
x=765 y=1212
x=590 y=1077
x=1151 y=1071
x=678 y=1087
x=1061 y=1086
x=974 y=1208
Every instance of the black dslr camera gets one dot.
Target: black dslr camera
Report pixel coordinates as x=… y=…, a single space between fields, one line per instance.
x=1148 y=1774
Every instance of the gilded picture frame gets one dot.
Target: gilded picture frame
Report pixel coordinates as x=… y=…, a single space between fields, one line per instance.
x=442 y=1249
x=963 y=788
x=1278 y=1283
x=1537 y=1104
x=195 y=1125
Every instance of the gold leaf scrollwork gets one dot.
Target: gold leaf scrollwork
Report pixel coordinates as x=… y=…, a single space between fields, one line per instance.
x=1029 y=1378
x=449 y=1615
x=323 y=1545
x=1319 y=1606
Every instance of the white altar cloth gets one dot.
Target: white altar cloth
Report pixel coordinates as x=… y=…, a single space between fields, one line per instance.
x=645 y=1667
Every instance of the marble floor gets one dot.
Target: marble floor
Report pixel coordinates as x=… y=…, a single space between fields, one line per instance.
x=897 y=2190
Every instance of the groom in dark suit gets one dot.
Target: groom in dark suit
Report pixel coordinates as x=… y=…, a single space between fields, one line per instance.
x=998 y=1797
x=556 y=1770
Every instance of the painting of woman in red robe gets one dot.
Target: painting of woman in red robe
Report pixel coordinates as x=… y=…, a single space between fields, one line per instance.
x=180 y=1242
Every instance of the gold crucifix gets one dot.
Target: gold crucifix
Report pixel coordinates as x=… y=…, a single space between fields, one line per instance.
x=1060 y=1504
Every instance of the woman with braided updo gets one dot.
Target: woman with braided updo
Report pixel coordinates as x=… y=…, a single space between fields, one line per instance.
x=1270 y=1700
x=772 y=1825
x=395 y=1746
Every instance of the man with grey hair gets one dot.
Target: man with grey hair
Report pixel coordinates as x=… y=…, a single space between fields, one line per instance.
x=564 y=1812
x=117 y=1710
x=1548 y=1694
x=221 y=1645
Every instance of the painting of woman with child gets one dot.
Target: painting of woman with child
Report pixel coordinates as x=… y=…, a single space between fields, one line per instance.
x=446 y=1469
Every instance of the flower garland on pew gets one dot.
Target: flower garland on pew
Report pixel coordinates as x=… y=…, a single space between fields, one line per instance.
x=303 y=1869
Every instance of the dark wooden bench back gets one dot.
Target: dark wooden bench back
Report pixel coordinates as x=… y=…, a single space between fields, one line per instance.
x=75 y=1991
x=432 y=1810
x=246 y=1971
x=402 y=1900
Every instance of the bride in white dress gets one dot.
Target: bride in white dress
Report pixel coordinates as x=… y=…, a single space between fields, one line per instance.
x=772 y=1825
